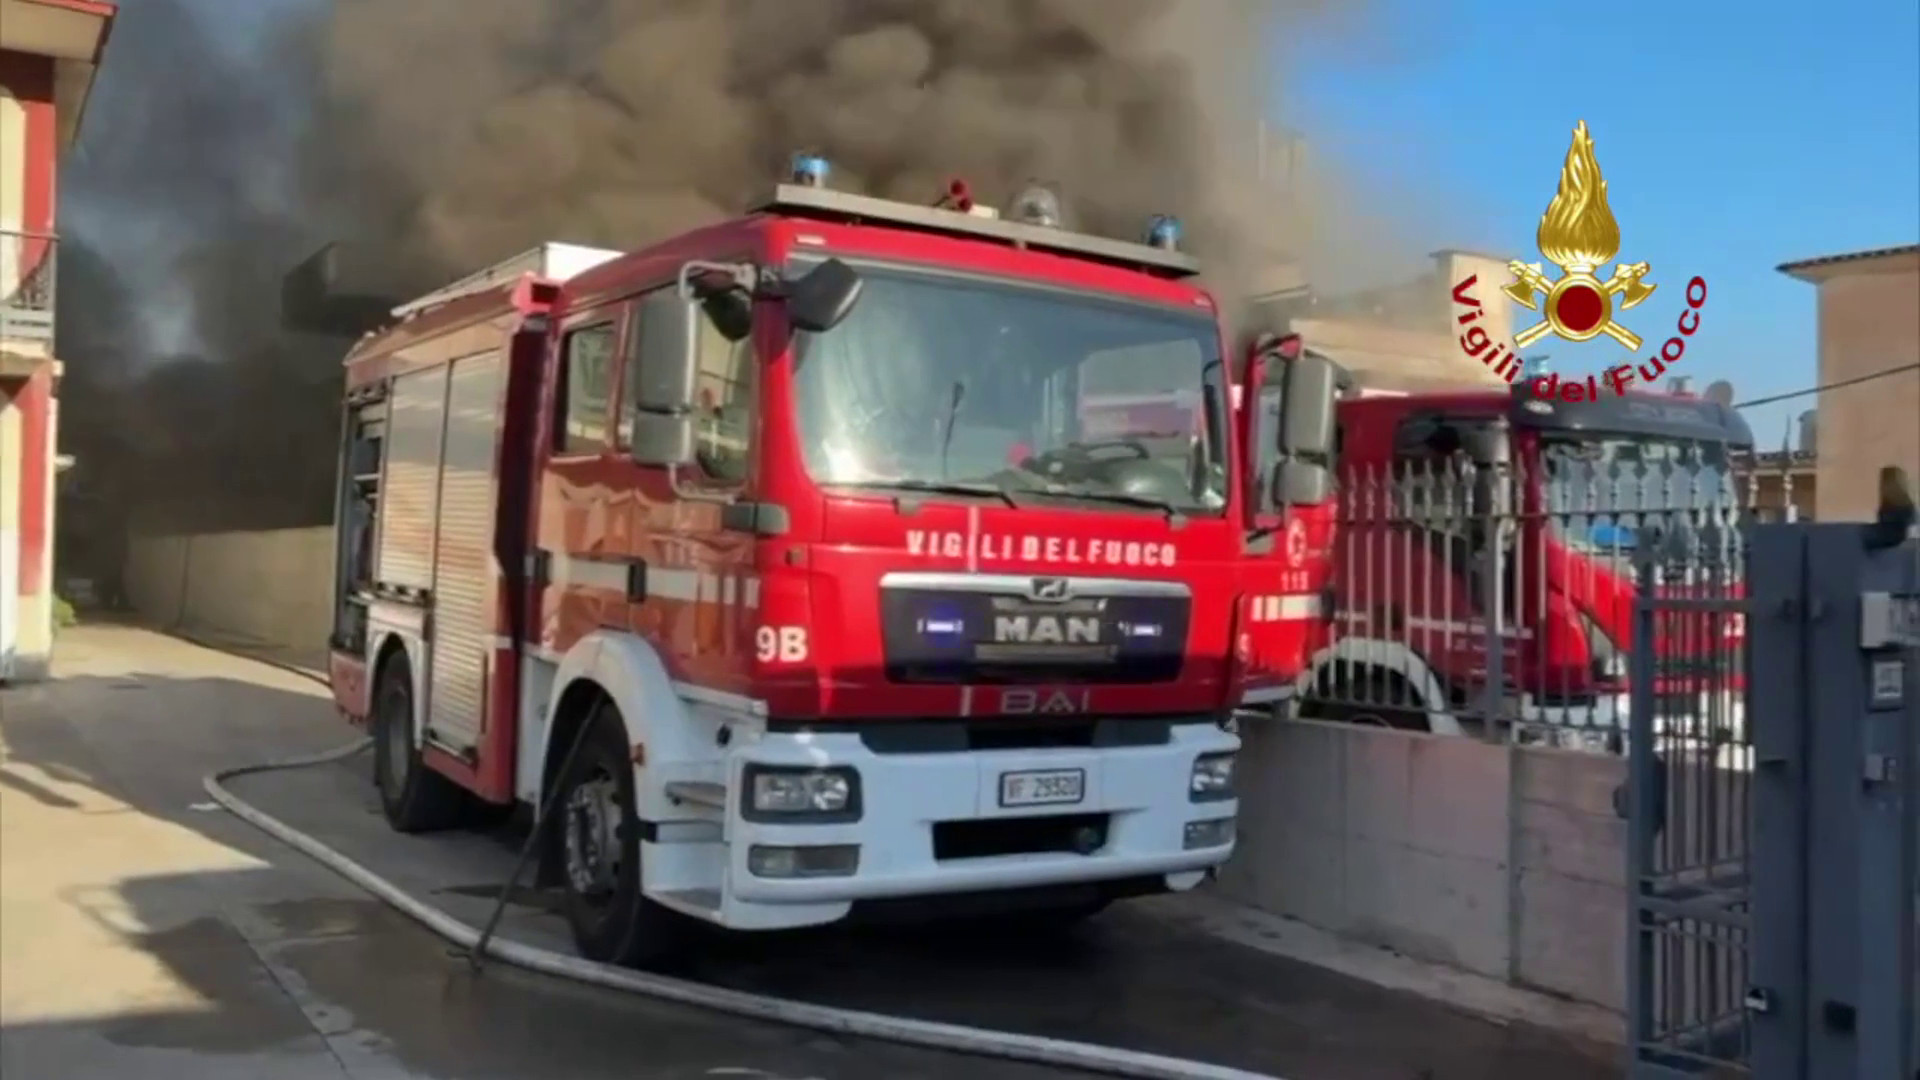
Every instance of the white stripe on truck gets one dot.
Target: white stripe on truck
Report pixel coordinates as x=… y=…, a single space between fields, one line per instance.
x=672 y=583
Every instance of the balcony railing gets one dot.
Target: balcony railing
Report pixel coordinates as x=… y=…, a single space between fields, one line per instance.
x=27 y=262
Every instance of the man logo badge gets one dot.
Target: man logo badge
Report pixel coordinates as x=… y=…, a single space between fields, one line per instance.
x=1049 y=590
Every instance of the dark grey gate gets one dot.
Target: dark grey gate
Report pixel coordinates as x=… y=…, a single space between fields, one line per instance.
x=1774 y=882
x=1689 y=761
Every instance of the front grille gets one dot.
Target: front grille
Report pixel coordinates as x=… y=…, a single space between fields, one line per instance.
x=985 y=636
x=1054 y=834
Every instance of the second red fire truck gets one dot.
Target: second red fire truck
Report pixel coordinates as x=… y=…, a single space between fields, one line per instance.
x=1524 y=515
x=785 y=567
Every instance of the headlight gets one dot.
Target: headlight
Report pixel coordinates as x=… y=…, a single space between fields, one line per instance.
x=1212 y=778
x=1208 y=834
x=832 y=860
x=813 y=794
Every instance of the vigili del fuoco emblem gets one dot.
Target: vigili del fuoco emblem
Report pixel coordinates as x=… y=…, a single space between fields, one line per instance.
x=1578 y=234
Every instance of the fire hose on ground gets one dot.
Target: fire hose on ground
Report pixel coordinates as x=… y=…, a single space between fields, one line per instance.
x=478 y=943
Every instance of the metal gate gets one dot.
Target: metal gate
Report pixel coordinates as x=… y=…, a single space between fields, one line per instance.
x=1773 y=880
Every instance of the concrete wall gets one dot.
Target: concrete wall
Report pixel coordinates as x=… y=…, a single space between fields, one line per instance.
x=1505 y=861
x=274 y=588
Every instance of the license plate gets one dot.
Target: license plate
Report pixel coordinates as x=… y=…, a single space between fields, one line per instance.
x=1041 y=787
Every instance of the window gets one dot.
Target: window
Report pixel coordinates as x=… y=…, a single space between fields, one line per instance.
x=1432 y=483
x=584 y=391
x=949 y=380
x=723 y=401
x=1266 y=437
x=724 y=389
x=1600 y=490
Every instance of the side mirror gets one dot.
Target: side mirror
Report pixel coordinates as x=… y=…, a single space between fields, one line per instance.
x=1302 y=483
x=1313 y=386
x=731 y=313
x=662 y=392
x=824 y=296
x=1484 y=444
x=725 y=292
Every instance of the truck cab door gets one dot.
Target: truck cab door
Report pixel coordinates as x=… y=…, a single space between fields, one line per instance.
x=688 y=431
x=1285 y=595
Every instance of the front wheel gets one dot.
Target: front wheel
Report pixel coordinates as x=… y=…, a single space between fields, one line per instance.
x=596 y=838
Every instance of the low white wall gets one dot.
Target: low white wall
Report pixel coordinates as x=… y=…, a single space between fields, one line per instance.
x=274 y=588
x=1504 y=861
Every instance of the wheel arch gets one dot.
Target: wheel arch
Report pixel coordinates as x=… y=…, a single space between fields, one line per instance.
x=384 y=648
x=1389 y=657
x=623 y=670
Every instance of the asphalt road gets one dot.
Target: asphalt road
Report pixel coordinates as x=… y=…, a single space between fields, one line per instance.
x=144 y=933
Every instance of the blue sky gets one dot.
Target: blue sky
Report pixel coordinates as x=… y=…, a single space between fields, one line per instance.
x=1733 y=137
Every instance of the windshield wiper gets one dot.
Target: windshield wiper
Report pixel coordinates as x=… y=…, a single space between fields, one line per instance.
x=934 y=487
x=1174 y=513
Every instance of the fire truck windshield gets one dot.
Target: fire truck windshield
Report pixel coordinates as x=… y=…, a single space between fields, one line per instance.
x=1599 y=491
x=935 y=379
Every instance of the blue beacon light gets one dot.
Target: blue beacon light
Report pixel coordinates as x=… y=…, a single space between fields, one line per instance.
x=1163 y=231
x=810 y=169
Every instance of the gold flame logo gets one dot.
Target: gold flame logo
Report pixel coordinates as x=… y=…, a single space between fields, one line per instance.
x=1578 y=229
x=1578 y=234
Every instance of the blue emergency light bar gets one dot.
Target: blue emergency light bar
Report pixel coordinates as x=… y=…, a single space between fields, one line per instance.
x=810 y=169
x=1163 y=232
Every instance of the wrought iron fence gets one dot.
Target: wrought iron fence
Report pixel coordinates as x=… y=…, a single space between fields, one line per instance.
x=1498 y=600
x=27 y=269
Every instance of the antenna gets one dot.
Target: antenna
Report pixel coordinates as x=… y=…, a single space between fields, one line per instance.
x=1720 y=392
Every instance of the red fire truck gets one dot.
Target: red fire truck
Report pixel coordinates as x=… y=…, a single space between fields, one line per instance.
x=776 y=566
x=1538 y=503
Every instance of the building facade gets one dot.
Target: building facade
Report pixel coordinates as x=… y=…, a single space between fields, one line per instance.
x=1869 y=316
x=1400 y=337
x=1780 y=485
x=49 y=51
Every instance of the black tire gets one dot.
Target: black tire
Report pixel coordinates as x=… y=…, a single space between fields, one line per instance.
x=612 y=920
x=415 y=798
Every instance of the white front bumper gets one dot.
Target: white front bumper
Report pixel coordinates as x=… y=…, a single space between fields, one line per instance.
x=1143 y=791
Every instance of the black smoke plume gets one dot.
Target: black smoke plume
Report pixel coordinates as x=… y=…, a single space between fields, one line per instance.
x=434 y=136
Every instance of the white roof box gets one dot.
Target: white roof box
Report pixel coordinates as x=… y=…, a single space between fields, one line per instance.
x=555 y=261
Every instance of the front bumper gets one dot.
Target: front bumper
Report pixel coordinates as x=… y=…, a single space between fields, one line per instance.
x=1139 y=794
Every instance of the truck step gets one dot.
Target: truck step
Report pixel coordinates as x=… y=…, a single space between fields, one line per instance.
x=698 y=793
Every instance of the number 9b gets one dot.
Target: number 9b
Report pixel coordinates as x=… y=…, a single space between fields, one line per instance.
x=780 y=644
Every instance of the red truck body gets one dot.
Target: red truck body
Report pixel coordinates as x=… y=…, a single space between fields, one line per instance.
x=779 y=564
